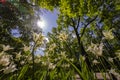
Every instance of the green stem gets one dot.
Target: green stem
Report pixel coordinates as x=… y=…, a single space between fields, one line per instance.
x=81 y=76
x=102 y=64
x=33 y=63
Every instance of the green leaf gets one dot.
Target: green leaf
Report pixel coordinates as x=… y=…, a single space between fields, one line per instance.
x=43 y=76
x=22 y=72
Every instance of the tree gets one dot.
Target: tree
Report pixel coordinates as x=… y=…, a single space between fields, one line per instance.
x=85 y=41
x=21 y=18
x=90 y=21
x=17 y=25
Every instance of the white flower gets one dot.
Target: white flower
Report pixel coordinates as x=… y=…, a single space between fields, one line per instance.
x=110 y=59
x=72 y=59
x=96 y=49
x=22 y=62
x=38 y=39
x=100 y=49
x=51 y=66
x=91 y=47
x=18 y=55
x=65 y=65
x=44 y=63
x=5 y=48
x=29 y=58
x=52 y=47
x=9 y=69
x=63 y=36
x=5 y=60
x=35 y=36
x=37 y=59
x=63 y=54
x=56 y=59
x=108 y=34
x=95 y=61
x=26 y=48
x=114 y=72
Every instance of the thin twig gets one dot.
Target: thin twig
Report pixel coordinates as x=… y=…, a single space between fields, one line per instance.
x=86 y=26
x=78 y=22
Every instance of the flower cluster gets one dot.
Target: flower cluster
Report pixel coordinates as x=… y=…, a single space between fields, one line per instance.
x=9 y=69
x=96 y=49
x=6 y=48
x=38 y=40
x=37 y=59
x=63 y=36
x=48 y=63
x=6 y=62
x=35 y=36
x=63 y=54
x=66 y=65
x=113 y=71
x=51 y=66
x=4 y=59
x=18 y=56
x=108 y=34
x=52 y=47
x=95 y=62
x=26 y=48
x=110 y=59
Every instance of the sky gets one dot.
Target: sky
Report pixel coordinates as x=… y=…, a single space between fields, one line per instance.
x=50 y=20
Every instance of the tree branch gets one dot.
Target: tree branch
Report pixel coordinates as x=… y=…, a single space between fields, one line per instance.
x=86 y=26
x=76 y=32
x=78 y=22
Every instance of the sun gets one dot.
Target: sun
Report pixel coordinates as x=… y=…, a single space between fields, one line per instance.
x=41 y=24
